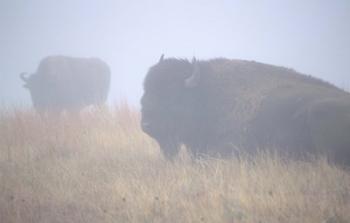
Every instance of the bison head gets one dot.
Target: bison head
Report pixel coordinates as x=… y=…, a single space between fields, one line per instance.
x=40 y=91
x=171 y=105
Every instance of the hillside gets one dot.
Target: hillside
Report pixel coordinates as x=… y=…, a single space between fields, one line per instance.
x=100 y=167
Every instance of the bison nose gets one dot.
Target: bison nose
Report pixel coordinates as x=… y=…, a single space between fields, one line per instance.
x=145 y=125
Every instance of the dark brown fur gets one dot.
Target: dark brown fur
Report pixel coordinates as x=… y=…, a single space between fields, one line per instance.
x=67 y=83
x=239 y=104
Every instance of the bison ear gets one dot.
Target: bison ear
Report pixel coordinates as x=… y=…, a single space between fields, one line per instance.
x=23 y=77
x=161 y=58
x=193 y=80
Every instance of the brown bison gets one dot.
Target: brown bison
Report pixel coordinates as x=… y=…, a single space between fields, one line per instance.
x=67 y=83
x=220 y=106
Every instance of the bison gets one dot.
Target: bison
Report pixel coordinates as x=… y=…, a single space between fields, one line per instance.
x=67 y=83
x=222 y=106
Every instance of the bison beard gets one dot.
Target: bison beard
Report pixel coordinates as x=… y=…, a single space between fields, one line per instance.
x=221 y=106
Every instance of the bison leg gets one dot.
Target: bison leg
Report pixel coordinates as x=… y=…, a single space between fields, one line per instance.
x=169 y=149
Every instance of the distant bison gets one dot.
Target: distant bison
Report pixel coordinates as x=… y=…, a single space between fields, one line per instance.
x=67 y=83
x=220 y=106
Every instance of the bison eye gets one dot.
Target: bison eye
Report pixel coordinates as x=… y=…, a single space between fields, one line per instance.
x=146 y=110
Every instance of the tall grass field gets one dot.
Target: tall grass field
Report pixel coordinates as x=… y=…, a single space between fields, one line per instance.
x=99 y=167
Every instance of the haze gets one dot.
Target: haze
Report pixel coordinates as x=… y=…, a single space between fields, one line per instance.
x=310 y=36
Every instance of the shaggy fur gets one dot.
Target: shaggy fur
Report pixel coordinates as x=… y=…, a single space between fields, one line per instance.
x=240 y=104
x=66 y=83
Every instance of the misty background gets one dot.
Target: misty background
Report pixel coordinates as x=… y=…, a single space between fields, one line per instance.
x=312 y=37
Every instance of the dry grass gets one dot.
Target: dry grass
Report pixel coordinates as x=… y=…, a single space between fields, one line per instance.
x=100 y=167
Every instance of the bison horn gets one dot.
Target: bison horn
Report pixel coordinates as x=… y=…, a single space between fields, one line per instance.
x=161 y=58
x=193 y=80
x=23 y=77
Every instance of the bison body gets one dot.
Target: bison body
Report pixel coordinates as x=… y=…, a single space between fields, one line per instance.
x=67 y=83
x=221 y=106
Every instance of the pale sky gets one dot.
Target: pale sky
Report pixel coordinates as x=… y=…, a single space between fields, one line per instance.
x=311 y=36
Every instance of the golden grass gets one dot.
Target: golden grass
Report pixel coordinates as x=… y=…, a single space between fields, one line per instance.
x=100 y=167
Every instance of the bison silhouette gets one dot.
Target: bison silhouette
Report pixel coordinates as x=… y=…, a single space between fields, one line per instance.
x=222 y=106
x=67 y=83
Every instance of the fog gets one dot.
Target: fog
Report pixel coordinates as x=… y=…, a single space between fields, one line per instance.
x=310 y=36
